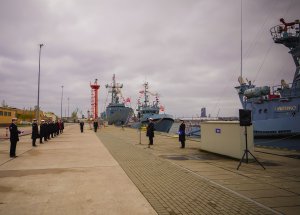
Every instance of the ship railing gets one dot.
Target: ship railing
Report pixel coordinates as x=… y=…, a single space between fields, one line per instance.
x=280 y=87
x=286 y=91
x=279 y=31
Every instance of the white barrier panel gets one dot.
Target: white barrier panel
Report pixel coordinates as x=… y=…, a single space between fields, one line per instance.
x=226 y=138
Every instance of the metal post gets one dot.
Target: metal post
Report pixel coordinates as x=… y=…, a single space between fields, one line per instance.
x=246 y=151
x=38 y=100
x=242 y=38
x=68 y=106
x=140 y=135
x=246 y=136
x=139 y=115
x=62 y=93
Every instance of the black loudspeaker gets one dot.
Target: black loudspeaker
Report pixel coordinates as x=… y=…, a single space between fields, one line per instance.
x=245 y=117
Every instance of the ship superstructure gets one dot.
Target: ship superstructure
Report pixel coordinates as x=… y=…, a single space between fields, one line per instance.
x=276 y=109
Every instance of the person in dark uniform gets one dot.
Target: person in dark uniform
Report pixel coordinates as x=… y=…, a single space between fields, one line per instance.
x=42 y=131
x=35 y=132
x=95 y=125
x=14 y=137
x=57 y=127
x=52 y=129
x=62 y=126
x=181 y=133
x=48 y=129
x=150 y=131
x=122 y=124
x=81 y=126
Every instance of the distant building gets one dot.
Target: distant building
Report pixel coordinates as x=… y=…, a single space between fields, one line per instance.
x=6 y=115
x=50 y=116
x=24 y=116
x=203 y=112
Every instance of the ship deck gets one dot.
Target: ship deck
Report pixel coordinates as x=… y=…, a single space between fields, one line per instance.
x=111 y=172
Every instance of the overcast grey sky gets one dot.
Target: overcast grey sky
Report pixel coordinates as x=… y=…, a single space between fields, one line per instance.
x=188 y=51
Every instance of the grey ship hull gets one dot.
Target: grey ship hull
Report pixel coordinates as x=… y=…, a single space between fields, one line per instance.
x=162 y=122
x=118 y=114
x=277 y=127
x=276 y=117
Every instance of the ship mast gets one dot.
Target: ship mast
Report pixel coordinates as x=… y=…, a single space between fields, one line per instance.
x=114 y=89
x=113 y=92
x=146 y=94
x=288 y=34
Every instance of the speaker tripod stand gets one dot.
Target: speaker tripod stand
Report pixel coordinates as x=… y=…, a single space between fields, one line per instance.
x=246 y=151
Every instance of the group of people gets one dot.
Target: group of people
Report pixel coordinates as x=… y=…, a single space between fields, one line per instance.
x=150 y=132
x=48 y=129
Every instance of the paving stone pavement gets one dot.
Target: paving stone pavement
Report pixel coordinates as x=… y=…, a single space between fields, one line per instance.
x=169 y=188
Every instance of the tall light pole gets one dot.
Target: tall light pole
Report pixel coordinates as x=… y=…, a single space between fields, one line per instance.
x=62 y=93
x=38 y=100
x=68 y=106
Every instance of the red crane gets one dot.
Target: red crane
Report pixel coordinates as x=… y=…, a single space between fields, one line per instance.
x=94 y=99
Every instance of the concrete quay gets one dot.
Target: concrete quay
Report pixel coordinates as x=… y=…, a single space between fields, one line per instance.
x=70 y=174
x=110 y=172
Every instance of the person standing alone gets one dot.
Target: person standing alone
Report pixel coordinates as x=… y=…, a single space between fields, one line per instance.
x=95 y=125
x=182 y=134
x=14 y=137
x=35 y=132
x=81 y=126
x=150 y=131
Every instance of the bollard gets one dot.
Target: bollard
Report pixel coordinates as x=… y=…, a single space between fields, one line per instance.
x=140 y=136
x=6 y=134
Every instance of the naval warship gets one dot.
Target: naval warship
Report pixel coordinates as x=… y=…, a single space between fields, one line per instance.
x=162 y=122
x=116 y=112
x=275 y=109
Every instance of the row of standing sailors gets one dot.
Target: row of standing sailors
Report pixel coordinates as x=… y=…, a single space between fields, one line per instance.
x=48 y=130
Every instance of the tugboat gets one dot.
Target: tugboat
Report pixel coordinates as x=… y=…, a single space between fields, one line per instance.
x=116 y=112
x=276 y=109
x=162 y=122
